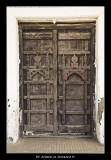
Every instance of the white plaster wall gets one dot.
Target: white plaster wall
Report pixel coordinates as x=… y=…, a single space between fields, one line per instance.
x=12 y=79
x=74 y=14
x=99 y=89
x=100 y=130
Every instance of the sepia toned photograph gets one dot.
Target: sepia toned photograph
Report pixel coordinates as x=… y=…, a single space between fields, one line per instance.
x=55 y=79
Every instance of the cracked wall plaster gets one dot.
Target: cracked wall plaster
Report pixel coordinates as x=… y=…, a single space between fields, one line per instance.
x=100 y=109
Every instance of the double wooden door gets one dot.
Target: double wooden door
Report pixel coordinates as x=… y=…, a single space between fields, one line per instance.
x=57 y=78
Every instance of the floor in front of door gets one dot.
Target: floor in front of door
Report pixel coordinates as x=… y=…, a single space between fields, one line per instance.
x=56 y=145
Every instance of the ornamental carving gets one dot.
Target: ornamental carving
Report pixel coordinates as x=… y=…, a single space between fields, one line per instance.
x=37 y=61
x=74 y=61
x=82 y=74
x=33 y=72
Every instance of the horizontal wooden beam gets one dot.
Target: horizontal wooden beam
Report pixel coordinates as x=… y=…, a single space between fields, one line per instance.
x=38 y=82
x=71 y=112
x=74 y=128
x=38 y=111
x=79 y=68
x=74 y=35
x=74 y=112
x=57 y=26
x=33 y=67
x=73 y=97
x=38 y=128
x=37 y=35
x=61 y=135
x=74 y=83
x=38 y=52
x=76 y=26
x=38 y=26
x=72 y=52
x=60 y=52
x=38 y=97
x=76 y=97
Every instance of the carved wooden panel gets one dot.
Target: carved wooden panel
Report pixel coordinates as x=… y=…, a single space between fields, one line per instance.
x=57 y=70
x=37 y=35
x=38 y=64
x=74 y=81
x=74 y=34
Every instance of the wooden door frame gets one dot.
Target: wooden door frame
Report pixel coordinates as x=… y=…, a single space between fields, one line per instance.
x=55 y=27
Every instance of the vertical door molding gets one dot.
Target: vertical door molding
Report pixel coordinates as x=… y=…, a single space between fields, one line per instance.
x=55 y=80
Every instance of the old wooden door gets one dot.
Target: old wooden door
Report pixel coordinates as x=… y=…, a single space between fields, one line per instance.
x=57 y=78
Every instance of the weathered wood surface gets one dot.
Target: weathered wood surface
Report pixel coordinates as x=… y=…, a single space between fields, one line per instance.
x=37 y=35
x=38 y=97
x=57 y=75
x=65 y=51
x=57 y=26
x=71 y=112
x=21 y=102
x=74 y=57
x=55 y=81
x=48 y=104
x=28 y=103
x=76 y=26
x=74 y=112
x=76 y=45
x=85 y=102
x=73 y=97
x=38 y=128
x=38 y=82
x=74 y=83
x=38 y=111
x=74 y=128
x=73 y=35
x=38 y=51
x=38 y=46
x=38 y=26
x=92 y=75
x=33 y=67
x=72 y=52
